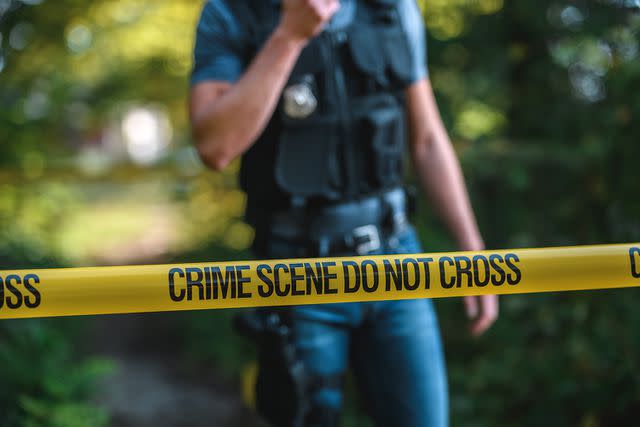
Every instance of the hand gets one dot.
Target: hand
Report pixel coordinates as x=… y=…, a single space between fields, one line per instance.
x=482 y=311
x=304 y=19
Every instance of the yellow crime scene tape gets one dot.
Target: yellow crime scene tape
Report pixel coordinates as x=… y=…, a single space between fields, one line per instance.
x=214 y=285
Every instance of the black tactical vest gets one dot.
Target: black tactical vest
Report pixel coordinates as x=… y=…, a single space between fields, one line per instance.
x=338 y=132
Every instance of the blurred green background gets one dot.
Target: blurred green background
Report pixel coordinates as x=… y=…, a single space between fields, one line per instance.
x=96 y=168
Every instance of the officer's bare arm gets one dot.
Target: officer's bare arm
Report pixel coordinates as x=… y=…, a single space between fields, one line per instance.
x=226 y=119
x=437 y=166
x=440 y=175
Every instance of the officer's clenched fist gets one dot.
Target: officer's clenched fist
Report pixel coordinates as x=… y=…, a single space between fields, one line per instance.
x=304 y=19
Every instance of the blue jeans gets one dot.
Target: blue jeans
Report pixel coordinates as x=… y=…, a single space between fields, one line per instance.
x=394 y=348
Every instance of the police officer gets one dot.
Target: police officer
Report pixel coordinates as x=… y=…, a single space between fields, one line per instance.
x=320 y=98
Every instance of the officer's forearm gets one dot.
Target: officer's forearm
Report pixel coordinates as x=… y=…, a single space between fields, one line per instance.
x=227 y=125
x=440 y=175
x=437 y=166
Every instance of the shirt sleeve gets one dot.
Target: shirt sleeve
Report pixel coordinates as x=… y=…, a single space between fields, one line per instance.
x=414 y=26
x=217 y=51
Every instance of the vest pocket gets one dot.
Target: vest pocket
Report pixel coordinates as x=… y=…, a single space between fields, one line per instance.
x=366 y=56
x=399 y=58
x=382 y=54
x=307 y=162
x=381 y=142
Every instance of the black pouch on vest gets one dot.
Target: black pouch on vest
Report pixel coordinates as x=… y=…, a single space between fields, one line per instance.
x=380 y=142
x=307 y=161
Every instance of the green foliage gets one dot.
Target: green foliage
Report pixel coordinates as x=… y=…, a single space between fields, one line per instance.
x=42 y=414
x=44 y=383
x=29 y=221
x=571 y=359
x=66 y=65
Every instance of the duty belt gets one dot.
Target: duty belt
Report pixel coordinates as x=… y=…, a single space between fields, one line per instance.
x=360 y=226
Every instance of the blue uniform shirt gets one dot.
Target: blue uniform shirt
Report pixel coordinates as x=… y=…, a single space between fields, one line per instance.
x=217 y=55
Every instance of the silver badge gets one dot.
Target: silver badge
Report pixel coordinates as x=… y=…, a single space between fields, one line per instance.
x=299 y=101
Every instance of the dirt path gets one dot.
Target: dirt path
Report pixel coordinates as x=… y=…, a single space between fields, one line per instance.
x=150 y=387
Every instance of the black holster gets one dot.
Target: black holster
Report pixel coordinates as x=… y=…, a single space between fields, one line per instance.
x=283 y=385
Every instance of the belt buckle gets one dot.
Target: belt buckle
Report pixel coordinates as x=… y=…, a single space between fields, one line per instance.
x=371 y=236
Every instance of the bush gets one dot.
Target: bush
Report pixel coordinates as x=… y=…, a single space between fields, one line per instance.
x=45 y=383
